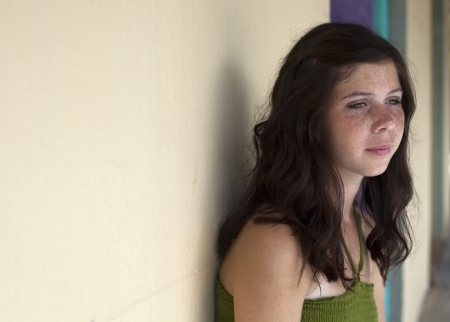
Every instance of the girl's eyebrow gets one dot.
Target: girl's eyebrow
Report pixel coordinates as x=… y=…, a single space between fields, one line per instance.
x=370 y=94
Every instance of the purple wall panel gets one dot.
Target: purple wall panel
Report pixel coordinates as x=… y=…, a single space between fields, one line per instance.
x=356 y=11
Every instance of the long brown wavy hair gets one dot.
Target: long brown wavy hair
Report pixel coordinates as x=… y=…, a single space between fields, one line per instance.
x=293 y=172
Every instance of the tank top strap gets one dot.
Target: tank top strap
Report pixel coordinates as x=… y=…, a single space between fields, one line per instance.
x=356 y=271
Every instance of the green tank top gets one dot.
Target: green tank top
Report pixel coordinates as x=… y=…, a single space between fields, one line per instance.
x=355 y=305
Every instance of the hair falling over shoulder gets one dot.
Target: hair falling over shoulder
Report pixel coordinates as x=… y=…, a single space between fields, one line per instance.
x=293 y=173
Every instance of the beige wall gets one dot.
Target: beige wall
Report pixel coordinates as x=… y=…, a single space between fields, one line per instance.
x=122 y=123
x=419 y=44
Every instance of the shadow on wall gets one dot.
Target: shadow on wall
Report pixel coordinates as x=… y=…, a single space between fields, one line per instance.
x=232 y=137
x=228 y=145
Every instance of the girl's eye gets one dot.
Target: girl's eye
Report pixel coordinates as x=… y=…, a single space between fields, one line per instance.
x=393 y=102
x=357 y=105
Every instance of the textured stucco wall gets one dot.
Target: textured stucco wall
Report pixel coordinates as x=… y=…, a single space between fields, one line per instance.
x=121 y=127
x=418 y=50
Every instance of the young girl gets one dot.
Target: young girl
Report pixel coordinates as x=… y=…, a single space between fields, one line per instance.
x=305 y=245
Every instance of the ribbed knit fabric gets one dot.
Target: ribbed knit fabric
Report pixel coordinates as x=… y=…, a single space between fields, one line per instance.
x=355 y=305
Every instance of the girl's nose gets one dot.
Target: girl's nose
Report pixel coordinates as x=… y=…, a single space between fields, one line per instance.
x=382 y=118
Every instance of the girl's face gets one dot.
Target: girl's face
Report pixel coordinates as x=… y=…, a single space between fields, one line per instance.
x=365 y=119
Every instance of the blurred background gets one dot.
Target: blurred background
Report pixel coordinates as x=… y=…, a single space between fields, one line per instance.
x=122 y=133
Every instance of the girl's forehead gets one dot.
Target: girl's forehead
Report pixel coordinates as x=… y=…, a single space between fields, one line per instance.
x=376 y=77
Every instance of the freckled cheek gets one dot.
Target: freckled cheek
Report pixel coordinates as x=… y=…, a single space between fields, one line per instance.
x=347 y=135
x=400 y=123
x=349 y=139
x=356 y=130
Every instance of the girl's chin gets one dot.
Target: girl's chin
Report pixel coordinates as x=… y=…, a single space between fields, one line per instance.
x=375 y=172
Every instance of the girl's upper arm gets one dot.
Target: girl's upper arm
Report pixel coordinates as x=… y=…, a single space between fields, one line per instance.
x=267 y=285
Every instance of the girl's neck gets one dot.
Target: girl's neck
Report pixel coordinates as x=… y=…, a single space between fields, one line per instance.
x=351 y=187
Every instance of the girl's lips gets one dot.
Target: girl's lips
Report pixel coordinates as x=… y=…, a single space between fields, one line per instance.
x=381 y=150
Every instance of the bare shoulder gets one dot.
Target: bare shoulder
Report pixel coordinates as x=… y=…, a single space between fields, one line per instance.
x=272 y=245
x=262 y=272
